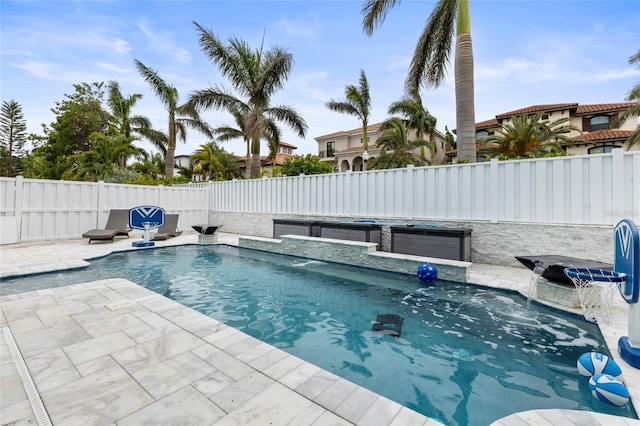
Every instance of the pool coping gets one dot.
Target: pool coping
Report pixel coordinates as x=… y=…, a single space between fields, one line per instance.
x=504 y=278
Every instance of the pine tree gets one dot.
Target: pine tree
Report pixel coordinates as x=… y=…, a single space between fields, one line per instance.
x=13 y=135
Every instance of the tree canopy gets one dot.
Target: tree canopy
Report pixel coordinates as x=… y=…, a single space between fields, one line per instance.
x=395 y=147
x=308 y=165
x=431 y=59
x=526 y=136
x=256 y=76
x=634 y=95
x=357 y=102
x=13 y=136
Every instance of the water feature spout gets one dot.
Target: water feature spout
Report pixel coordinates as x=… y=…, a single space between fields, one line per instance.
x=536 y=273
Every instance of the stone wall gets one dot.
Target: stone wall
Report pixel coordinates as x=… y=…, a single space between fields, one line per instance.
x=356 y=253
x=492 y=243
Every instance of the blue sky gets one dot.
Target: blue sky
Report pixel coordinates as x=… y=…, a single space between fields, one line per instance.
x=526 y=53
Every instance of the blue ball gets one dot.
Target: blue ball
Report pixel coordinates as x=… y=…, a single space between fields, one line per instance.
x=607 y=389
x=427 y=273
x=591 y=363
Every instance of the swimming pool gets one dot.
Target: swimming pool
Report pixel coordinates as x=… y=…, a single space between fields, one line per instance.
x=467 y=355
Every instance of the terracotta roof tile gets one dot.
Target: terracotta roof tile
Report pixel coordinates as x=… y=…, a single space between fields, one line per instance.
x=537 y=108
x=288 y=145
x=603 y=136
x=487 y=124
x=590 y=109
x=454 y=152
x=264 y=159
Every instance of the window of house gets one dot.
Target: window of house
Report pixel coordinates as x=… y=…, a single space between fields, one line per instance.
x=603 y=149
x=368 y=140
x=545 y=116
x=482 y=134
x=331 y=148
x=599 y=122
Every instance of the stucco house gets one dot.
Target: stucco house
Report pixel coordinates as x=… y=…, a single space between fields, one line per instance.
x=594 y=120
x=285 y=150
x=180 y=161
x=344 y=149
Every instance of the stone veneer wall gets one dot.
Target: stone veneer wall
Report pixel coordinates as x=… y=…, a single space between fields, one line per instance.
x=356 y=253
x=492 y=243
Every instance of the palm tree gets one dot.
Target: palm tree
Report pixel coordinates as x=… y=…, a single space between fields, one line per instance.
x=205 y=162
x=180 y=117
x=230 y=164
x=273 y=143
x=431 y=58
x=150 y=164
x=256 y=76
x=226 y=133
x=358 y=103
x=634 y=95
x=103 y=158
x=395 y=147
x=128 y=124
x=526 y=136
x=417 y=118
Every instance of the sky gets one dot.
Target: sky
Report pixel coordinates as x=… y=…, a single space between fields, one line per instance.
x=525 y=53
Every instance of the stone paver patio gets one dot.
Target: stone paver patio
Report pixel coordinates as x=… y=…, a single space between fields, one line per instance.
x=112 y=352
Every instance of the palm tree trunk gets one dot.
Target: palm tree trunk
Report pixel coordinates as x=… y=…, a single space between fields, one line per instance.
x=465 y=103
x=169 y=161
x=254 y=166
x=171 y=147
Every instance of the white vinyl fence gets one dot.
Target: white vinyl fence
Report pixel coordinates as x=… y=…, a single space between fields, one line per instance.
x=576 y=190
x=587 y=189
x=48 y=209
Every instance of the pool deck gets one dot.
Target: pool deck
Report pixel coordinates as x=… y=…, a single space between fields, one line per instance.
x=111 y=352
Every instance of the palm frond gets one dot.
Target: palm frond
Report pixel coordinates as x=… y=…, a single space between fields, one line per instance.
x=289 y=116
x=162 y=90
x=217 y=98
x=431 y=57
x=375 y=12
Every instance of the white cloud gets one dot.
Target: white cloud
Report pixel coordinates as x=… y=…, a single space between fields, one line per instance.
x=40 y=69
x=163 y=42
x=300 y=28
x=529 y=71
x=309 y=85
x=398 y=63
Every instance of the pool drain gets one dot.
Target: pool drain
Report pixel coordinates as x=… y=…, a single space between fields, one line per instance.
x=29 y=387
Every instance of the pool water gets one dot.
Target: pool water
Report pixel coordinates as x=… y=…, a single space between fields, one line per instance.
x=467 y=355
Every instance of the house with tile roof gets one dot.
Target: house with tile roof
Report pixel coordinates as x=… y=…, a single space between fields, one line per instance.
x=597 y=133
x=344 y=150
x=285 y=150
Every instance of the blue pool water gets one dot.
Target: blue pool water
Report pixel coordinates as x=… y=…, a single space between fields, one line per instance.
x=467 y=355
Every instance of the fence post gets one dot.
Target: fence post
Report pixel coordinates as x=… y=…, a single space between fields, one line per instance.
x=159 y=191
x=618 y=184
x=100 y=201
x=408 y=184
x=494 y=197
x=209 y=199
x=303 y=195
x=347 y=195
x=18 y=202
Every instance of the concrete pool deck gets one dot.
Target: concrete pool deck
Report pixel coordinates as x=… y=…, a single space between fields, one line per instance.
x=112 y=352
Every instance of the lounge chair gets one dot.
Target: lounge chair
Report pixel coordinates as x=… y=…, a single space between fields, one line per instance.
x=169 y=229
x=117 y=225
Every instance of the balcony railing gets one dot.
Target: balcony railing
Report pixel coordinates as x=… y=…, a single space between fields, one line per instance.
x=326 y=154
